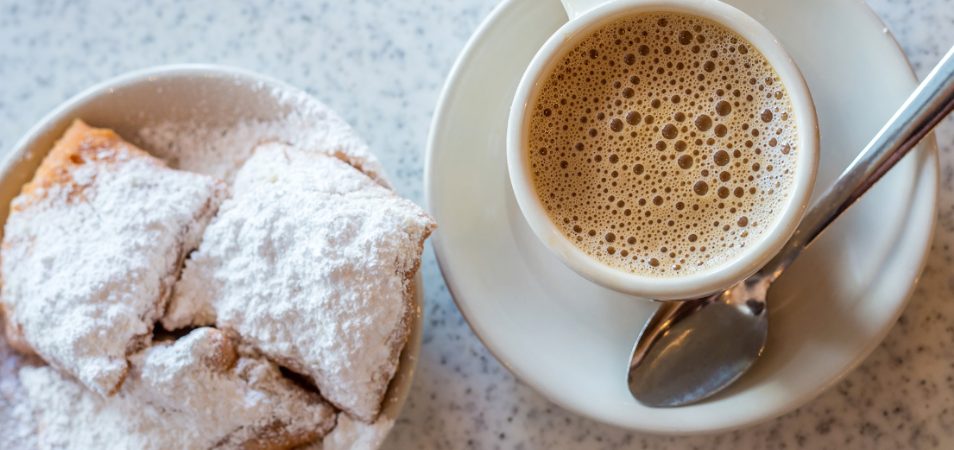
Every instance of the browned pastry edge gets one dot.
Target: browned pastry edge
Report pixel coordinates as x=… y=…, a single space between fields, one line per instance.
x=224 y=353
x=80 y=144
x=275 y=436
x=359 y=166
x=14 y=335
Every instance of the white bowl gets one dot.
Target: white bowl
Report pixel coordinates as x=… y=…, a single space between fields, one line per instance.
x=203 y=94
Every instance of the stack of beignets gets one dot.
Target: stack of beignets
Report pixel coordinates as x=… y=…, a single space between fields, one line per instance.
x=298 y=278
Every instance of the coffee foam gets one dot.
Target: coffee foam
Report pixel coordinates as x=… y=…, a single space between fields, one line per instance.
x=662 y=144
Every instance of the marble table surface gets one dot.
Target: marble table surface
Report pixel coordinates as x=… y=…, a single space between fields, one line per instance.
x=381 y=64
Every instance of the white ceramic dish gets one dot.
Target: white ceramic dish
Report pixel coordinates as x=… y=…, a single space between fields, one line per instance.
x=570 y=339
x=200 y=93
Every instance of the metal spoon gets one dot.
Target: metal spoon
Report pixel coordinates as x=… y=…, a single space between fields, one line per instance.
x=691 y=349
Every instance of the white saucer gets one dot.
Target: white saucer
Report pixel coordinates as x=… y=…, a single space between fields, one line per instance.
x=570 y=339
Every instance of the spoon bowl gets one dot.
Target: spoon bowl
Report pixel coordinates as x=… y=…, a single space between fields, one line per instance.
x=684 y=352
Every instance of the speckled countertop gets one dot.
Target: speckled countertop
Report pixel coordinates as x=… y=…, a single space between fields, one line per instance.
x=381 y=64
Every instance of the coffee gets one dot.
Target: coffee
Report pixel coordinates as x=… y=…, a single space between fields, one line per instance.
x=662 y=144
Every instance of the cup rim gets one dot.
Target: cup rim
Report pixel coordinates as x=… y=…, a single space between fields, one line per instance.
x=673 y=287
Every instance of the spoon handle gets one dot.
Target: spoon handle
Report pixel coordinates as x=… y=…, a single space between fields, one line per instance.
x=921 y=112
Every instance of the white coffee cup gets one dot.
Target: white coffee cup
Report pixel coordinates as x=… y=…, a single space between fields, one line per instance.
x=586 y=16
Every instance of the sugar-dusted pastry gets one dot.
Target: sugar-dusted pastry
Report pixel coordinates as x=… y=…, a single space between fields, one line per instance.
x=351 y=434
x=311 y=263
x=91 y=250
x=198 y=392
x=17 y=428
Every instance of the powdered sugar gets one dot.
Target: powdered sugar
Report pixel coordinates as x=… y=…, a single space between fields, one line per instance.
x=310 y=262
x=17 y=428
x=92 y=248
x=195 y=393
x=350 y=434
x=219 y=150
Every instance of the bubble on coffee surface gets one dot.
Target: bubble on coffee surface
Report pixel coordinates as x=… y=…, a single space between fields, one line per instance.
x=663 y=144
